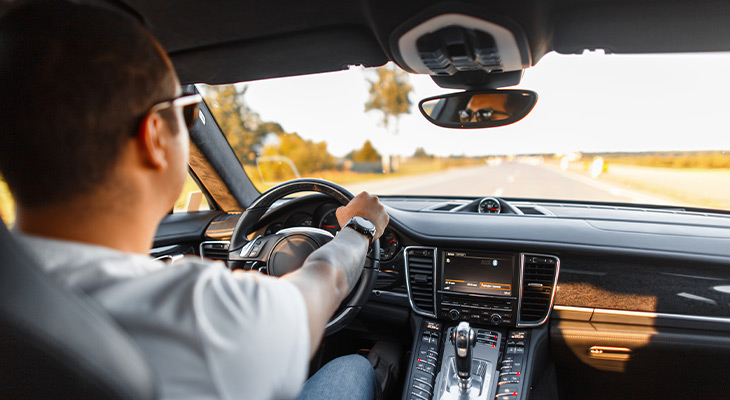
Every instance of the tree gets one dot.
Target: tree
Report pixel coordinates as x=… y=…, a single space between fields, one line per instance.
x=366 y=154
x=421 y=153
x=389 y=95
x=250 y=137
x=307 y=156
x=242 y=127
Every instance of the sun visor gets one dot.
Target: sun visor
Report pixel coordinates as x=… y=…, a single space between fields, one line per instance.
x=462 y=51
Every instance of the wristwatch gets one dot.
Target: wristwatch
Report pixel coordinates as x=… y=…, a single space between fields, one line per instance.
x=362 y=225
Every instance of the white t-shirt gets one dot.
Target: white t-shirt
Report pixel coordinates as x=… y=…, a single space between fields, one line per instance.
x=206 y=333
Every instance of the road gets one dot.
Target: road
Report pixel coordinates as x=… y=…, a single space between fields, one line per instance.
x=510 y=179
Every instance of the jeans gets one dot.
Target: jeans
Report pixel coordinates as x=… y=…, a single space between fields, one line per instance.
x=347 y=377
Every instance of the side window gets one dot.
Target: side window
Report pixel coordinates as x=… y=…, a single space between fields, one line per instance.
x=7 y=205
x=191 y=198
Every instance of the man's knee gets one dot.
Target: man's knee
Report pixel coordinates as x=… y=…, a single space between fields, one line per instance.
x=354 y=367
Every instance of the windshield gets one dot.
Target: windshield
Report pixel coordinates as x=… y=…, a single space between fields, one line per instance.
x=649 y=129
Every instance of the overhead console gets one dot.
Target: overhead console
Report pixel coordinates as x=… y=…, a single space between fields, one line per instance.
x=481 y=287
x=462 y=48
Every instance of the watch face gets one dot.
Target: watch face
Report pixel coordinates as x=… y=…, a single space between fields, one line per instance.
x=365 y=223
x=362 y=225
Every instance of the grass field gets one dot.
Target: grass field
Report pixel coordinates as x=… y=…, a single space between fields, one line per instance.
x=692 y=187
x=406 y=168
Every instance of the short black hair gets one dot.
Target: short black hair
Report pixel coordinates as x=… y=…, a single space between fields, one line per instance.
x=77 y=82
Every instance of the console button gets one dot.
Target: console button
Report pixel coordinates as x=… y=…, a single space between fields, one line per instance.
x=506 y=380
x=419 y=395
x=422 y=376
x=454 y=314
x=422 y=387
x=507 y=390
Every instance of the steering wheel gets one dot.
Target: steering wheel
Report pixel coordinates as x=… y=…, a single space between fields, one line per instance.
x=286 y=250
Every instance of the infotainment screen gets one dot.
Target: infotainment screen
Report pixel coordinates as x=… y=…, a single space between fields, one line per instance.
x=478 y=273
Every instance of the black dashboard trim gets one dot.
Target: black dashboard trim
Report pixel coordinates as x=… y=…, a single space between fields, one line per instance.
x=552 y=235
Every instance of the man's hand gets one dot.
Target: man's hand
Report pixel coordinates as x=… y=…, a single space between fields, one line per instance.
x=330 y=272
x=366 y=206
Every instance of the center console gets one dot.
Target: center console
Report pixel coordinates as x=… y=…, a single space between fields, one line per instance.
x=479 y=321
x=478 y=287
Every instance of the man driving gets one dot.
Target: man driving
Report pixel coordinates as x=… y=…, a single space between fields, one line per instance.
x=94 y=148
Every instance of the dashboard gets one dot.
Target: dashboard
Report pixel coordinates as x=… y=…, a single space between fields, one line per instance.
x=613 y=287
x=599 y=255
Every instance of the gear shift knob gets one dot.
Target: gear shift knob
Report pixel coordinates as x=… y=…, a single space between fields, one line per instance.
x=464 y=339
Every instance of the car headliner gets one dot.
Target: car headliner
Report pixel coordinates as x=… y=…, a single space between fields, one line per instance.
x=222 y=41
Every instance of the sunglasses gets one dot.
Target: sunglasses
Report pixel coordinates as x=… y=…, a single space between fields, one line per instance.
x=190 y=105
x=481 y=115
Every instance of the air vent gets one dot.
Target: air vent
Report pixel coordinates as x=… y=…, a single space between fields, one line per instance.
x=540 y=276
x=215 y=250
x=420 y=263
x=387 y=279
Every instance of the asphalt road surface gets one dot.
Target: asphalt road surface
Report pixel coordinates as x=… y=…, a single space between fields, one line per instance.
x=511 y=179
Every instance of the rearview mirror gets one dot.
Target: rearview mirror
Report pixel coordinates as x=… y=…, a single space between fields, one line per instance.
x=478 y=109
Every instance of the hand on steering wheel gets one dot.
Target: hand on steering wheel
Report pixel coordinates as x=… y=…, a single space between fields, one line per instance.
x=287 y=249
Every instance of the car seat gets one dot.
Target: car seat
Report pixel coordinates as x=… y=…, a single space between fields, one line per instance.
x=57 y=343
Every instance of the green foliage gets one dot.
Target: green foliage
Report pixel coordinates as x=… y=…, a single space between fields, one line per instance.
x=389 y=95
x=247 y=133
x=241 y=126
x=366 y=153
x=307 y=156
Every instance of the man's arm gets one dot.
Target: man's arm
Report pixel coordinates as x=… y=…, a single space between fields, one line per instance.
x=330 y=272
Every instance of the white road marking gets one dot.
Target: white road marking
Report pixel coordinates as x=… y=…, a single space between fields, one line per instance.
x=511 y=179
x=498 y=192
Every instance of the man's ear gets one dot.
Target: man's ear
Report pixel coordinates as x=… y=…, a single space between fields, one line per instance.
x=152 y=141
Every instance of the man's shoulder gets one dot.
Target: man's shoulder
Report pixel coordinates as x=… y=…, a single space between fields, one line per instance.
x=87 y=266
x=77 y=262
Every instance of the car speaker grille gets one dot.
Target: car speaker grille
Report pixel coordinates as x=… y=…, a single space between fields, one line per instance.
x=540 y=276
x=419 y=267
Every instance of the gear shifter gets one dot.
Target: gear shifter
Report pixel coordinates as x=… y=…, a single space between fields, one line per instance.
x=464 y=339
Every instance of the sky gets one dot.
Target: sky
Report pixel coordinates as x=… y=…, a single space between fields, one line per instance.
x=590 y=103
